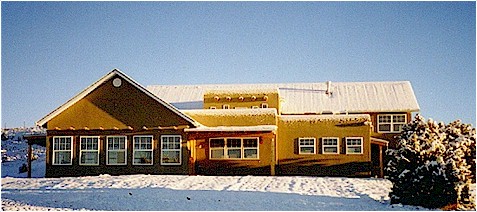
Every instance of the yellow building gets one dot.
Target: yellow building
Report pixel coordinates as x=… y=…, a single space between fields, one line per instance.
x=117 y=126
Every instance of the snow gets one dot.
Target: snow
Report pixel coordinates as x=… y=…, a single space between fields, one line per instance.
x=241 y=91
x=233 y=128
x=232 y=112
x=300 y=98
x=323 y=118
x=168 y=192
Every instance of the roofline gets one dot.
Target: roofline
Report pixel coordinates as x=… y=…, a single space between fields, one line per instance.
x=99 y=82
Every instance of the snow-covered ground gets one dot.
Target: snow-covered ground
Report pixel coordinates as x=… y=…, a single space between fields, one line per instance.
x=168 y=192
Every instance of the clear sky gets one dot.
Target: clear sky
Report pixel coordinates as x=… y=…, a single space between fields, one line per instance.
x=51 y=51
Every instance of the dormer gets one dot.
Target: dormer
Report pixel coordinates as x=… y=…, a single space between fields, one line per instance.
x=241 y=99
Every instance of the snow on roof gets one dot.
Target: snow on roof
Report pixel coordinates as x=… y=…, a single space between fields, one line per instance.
x=241 y=91
x=232 y=112
x=301 y=98
x=326 y=118
x=233 y=128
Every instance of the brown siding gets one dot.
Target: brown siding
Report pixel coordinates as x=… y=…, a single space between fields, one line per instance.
x=290 y=162
x=108 y=107
x=386 y=136
x=85 y=170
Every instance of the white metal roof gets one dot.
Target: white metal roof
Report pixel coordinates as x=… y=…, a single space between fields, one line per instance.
x=301 y=98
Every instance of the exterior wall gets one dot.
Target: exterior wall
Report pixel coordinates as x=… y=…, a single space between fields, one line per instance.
x=290 y=162
x=85 y=170
x=261 y=166
x=110 y=107
x=223 y=118
x=273 y=100
x=386 y=136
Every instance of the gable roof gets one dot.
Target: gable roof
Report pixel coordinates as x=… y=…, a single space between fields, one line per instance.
x=92 y=87
x=301 y=98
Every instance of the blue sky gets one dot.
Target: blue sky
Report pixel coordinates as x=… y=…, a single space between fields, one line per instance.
x=53 y=50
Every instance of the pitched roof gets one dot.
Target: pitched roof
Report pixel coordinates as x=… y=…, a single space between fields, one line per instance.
x=301 y=98
x=92 y=87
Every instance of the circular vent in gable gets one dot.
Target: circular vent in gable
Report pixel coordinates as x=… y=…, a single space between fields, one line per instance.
x=117 y=82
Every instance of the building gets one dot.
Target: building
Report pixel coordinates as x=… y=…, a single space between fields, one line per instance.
x=116 y=126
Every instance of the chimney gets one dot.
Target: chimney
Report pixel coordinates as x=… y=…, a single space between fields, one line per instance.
x=328 y=87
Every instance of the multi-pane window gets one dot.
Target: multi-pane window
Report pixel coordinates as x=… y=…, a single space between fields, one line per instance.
x=89 y=150
x=225 y=106
x=264 y=105
x=330 y=145
x=306 y=146
x=391 y=123
x=171 y=150
x=354 y=145
x=116 y=150
x=62 y=150
x=233 y=148
x=143 y=148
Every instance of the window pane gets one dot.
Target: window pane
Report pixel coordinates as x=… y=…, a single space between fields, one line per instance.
x=250 y=142
x=217 y=143
x=234 y=143
x=330 y=149
x=399 y=118
x=354 y=149
x=116 y=157
x=307 y=150
x=217 y=153
x=250 y=153
x=170 y=157
x=397 y=127
x=62 y=157
x=234 y=153
x=143 y=157
x=385 y=127
x=89 y=158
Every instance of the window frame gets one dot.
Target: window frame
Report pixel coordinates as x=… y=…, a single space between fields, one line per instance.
x=226 y=106
x=171 y=150
x=255 y=107
x=142 y=150
x=391 y=123
x=323 y=145
x=242 y=148
x=264 y=105
x=55 y=151
x=361 y=145
x=114 y=150
x=308 y=145
x=81 y=151
x=212 y=107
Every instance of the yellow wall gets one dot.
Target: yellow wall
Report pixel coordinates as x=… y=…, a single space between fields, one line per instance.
x=290 y=161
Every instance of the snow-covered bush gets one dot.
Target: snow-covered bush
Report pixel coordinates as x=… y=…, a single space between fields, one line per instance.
x=433 y=165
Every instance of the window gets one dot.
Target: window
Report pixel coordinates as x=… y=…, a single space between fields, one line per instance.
x=264 y=105
x=255 y=107
x=143 y=150
x=330 y=145
x=213 y=107
x=306 y=146
x=225 y=106
x=233 y=148
x=62 y=150
x=354 y=145
x=391 y=123
x=89 y=150
x=116 y=150
x=171 y=150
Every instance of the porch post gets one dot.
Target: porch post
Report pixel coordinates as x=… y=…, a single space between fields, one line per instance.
x=29 y=160
x=272 y=162
x=381 y=163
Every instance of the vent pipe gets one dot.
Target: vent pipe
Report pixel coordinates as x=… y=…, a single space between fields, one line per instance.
x=328 y=87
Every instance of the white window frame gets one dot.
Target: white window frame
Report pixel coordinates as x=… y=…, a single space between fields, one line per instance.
x=323 y=145
x=264 y=105
x=392 y=122
x=255 y=107
x=171 y=150
x=212 y=107
x=117 y=151
x=361 y=146
x=306 y=145
x=55 y=151
x=226 y=106
x=88 y=150
x=242 y=148
x=143 y=150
